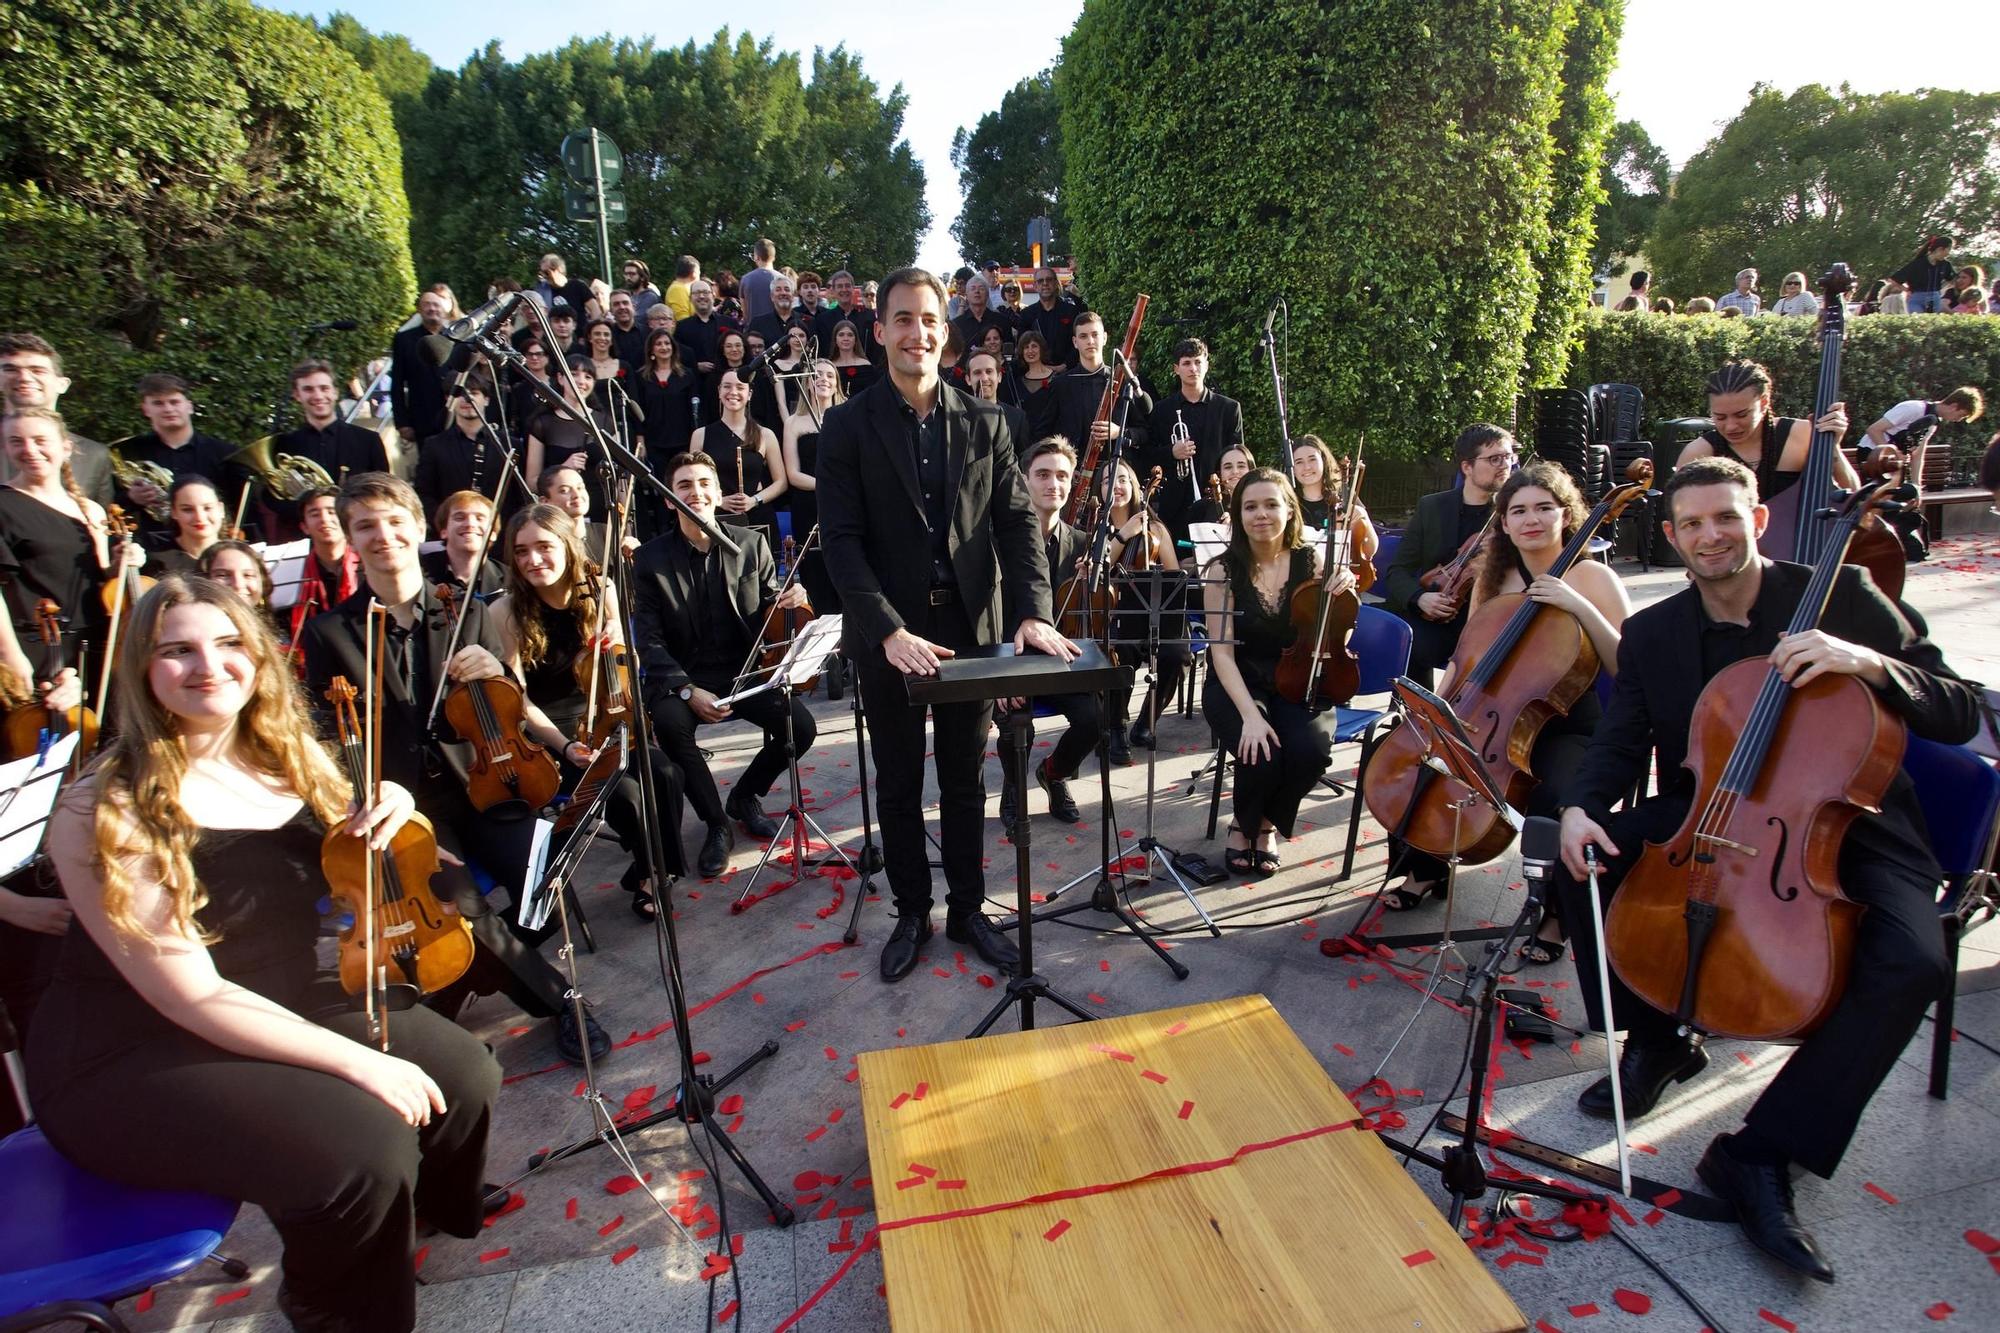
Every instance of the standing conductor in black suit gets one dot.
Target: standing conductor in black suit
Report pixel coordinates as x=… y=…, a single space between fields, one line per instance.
x=930 y=536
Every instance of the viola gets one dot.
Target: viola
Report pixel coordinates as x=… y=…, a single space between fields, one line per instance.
x=491 y=716
x=1317 y=669
x=125 y=585
x=604 y=674
x=1145 y=550
x=1454 y=577
x=1801 y=518
x=398 y=932
x=28 y=724
x=1737 y=925
x=1518 y=665
x=1086 y=468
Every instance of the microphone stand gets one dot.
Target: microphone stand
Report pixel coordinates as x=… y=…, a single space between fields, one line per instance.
x=694 y=1102
x=1278 y=381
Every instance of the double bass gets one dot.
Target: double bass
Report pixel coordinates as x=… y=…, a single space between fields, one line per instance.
x=1737 y=925
x=1086 y=468
x=1518 y=665
x=1802 y=517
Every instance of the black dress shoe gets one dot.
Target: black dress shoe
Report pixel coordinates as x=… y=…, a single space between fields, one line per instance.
x=1142 y=735
x=715 y=850
x=1116 y=750
x=1762 y=1198
x=570 y=1042
x=1643 y=1073
x=988 y=943
x=1062 y=805
x=749 y=812
x=899 y=955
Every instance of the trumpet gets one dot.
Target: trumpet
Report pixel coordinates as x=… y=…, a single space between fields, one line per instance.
x=285 y=476
x=131 y=471
x=1178 y=436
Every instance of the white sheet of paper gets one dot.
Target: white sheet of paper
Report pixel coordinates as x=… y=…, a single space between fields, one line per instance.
x=28 y=790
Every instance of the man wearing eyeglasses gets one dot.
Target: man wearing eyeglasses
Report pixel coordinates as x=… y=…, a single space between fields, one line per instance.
x=1441 y=526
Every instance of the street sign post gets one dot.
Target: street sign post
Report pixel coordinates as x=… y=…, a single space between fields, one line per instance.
x=595 y=165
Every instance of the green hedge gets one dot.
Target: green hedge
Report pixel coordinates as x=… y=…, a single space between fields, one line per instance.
x=182 y=184
x=1389 y=165
x=1885 y=359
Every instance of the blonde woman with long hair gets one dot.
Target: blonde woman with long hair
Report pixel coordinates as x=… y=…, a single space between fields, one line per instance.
x=190 y=853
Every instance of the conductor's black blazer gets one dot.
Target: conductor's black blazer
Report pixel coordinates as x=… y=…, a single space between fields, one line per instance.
x=877 y=543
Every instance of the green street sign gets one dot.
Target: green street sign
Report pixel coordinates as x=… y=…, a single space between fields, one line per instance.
x=576 y=159
x=580 y=203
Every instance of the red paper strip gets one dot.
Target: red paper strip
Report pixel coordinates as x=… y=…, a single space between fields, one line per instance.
x=1418 y=1259
x=1512 y=1257
x=1940 y=1312
x=911 y=1183
x=1345 y=1050
x=1114 y=1053
x=795 y=1025
x=569 y=1211
x=1982 y=1242
x=1778 y=1320
x=612 y=1225
x=1632 y=1302
x=726 y=1313
x=951 y=1184
x=516 y=1201
x=1154 y=1075
x=1584 y=1311
x=896 y=1103
x=145 y=1301
x=1104 y=964
x=715 y=1267
x=814 y=1135
x=1055 y=1232
x=830 y=1053
x=624 y=1254
x=491 y=1255
x=918 y=1095
x=1667 y=1198
x=1176 y=1029
x=231 y=1297
x=1879 y=1192
x=919 y=1169
x=1187 y=1109
x=624 y=1184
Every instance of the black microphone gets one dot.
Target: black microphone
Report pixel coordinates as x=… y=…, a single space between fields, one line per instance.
x=334 y=326
x=752 y=366
x=1541 y=852
x=485 y=319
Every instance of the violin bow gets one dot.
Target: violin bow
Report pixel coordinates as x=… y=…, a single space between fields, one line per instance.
x=375 y=989
x=614 y=537
x=791 y=576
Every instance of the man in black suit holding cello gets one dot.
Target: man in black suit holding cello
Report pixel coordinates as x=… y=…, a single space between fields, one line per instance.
x=930 y=535
x=1736 y=609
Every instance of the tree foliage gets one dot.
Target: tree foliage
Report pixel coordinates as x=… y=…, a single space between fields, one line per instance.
x=1563 y=256
x=1385 y=163
x=1796 y=182
x=1010 y=172
x=722 y=144
x=181 y=185
x=1636 y=175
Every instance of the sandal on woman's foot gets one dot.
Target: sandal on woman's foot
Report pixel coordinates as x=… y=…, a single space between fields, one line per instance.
x=1539 y=952
x=1405 y=899
x=1266 y=864
x=1239 y=860
x=640 y=886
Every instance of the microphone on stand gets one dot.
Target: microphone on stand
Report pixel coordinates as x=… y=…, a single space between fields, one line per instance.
x=1541 y=852
x=484 y=319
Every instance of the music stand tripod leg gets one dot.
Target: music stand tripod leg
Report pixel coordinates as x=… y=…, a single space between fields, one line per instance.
x=871 y=855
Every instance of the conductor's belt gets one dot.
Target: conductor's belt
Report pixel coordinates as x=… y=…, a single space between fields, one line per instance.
x=944 y=594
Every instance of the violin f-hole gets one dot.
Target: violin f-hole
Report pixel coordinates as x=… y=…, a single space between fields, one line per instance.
x=1778 y=891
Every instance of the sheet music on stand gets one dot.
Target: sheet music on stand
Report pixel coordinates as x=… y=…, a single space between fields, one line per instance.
x=28 y=791
x=819 y=640
x=287 y=563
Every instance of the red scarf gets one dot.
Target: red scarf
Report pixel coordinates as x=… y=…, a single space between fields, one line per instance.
x=315 y=597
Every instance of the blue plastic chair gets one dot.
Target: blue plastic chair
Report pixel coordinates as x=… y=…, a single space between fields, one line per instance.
x=1960 y=793
x=72 y=1245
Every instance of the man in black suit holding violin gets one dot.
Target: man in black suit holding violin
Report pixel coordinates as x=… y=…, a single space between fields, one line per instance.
x=931 y=537
x=697 y=611
x=384 y=522
x=1736 y=608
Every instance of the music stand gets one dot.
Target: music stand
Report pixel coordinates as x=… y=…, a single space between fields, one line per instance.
x=287 y=563
x=28 y=791
x=978 y=674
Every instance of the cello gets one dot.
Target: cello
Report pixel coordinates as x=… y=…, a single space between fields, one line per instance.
x=1318 y=670
x=1736 y=925
x=1518 y=664
x=1801 y=519
x=1086 y=468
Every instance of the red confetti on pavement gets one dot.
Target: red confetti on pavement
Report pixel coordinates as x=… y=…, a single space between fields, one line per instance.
x=491 y=1255
x=716 y=1266
x=612 y=1225
x=569 y=1211
x=231 y=1297
x=1584 y=1311
x=1940 y=1312
x=145 y=1301
x=941 y=972
x=795 y=1025
x=1347 y=1051
x=1879 y=1192
x=624 y=1184
x=1632 y=1302
x=829 y=1053
x=1055 y=1232
x=731 y=1104
x=1153 y=1074
x=726 y=1313
x=1418 y=1259
x=1187 y=1109
x=1512 y=1257
x=1104 y=964
x=1667 y=1198
x=1095 y=998
x=1982 y=1242
x=813 y=1136
x=624 y=1254
x=516 y=1201
x=1778 y=1320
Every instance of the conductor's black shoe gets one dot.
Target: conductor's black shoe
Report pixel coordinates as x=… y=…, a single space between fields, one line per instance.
x=1643 y=1074
x=569 y=1045
x=1061 y=804
x=1115 y=748
x=988 y=943
x=899 y=955
x=1142 y=735
x=715 y=850
x=747 y=810
x=1762 y=1197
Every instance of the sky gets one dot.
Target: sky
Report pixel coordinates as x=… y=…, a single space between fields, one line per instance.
x=1685 y=67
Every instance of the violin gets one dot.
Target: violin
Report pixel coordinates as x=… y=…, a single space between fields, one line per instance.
x=1518 y=665
x=1317 y=669
x=1213 y=493
x=29 y=724
x=1453 y=577
x=1086 y=468
x=781 y=627
x=1084 y=604
x=604 y=673
x=1144 y=550
x=1736 y=925
x=1800 y=521
x=124 y=585
x=491 y=716
x=398 y=933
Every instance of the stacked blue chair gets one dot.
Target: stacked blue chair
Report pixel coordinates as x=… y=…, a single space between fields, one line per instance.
x=1960 y=794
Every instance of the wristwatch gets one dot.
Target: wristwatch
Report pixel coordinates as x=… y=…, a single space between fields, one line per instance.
x=687 y=693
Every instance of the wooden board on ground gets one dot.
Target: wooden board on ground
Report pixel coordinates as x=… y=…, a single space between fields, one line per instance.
x=1294 y=1223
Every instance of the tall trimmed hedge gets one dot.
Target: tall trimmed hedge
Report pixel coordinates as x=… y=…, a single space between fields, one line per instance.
x=1884 y=360
x=183 y=183
x=1385 y=164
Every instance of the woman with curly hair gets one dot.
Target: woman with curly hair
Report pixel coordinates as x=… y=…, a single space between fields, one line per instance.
x=190 y=853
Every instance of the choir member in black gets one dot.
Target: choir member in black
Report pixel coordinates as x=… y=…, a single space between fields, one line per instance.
x=1031 y=370
x=383 y=522
x=1054 y=317
x=600 y=343
x=463 y=522
x=982 y=381
x=1230 y=469
x=980 y=315
x=553 y=607
x=932 y=539
x=339 y=447
x=416 y=379
x=784 y=314
x=701 y=334
x=1214 y=424
x=465 y=456
x=628 y=335
x=731 y=351
x=821 y=394
x=191 y=857
x=1735 y=609
x=561 y=435
x=1050 y=466
x=332 y=571
x=195 y=519
x=749 y=463
x=770 y=402
x=52 y=546
x=1771 y=446
x=697 y=611
x=176 y=446
x=846 y=309
x=788 y=359
x=1538 y=510
x=1318 y=480
x=563 y=321
x=668 y=392
x=850 y=359
x=522 y=402
x=238 y=566
x=1281 y=749
x=31 y=376
x=1069 y=408
x=1140 y=541
x=564 y=488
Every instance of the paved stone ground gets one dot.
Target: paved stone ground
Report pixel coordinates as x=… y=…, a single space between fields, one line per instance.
x=579 y=1253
